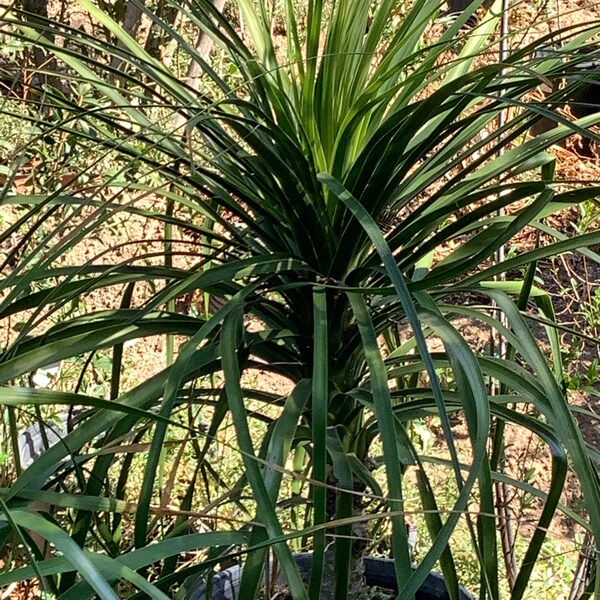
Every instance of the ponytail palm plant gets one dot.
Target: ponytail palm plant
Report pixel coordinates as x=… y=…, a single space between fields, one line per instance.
x=347 y=189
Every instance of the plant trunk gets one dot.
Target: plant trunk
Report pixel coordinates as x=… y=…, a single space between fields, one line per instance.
x=357 y=589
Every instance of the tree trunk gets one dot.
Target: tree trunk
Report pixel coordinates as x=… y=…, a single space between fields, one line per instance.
x=203 y=47
x=42 y=62
x=158 y=39
x=131 y=23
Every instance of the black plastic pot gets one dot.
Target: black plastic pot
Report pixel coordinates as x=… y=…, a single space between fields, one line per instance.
x=378 y=572
x=458 y=6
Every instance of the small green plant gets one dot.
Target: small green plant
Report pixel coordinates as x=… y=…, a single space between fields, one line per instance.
x=591 y=312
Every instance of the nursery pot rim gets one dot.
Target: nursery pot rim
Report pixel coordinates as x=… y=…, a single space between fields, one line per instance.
x=379 y=572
